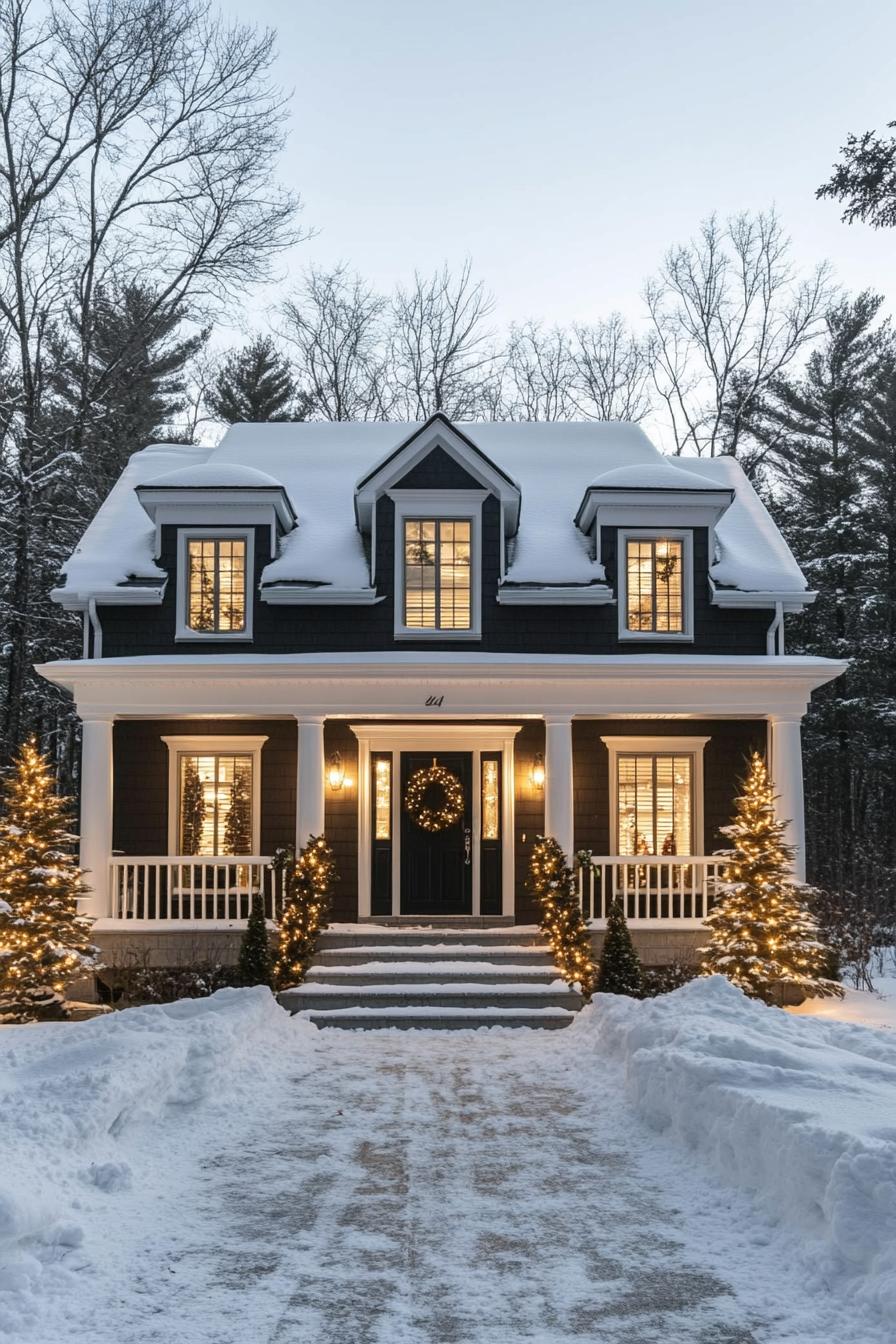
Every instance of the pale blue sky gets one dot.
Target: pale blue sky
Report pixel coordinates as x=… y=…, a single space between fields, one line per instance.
x=564 y=145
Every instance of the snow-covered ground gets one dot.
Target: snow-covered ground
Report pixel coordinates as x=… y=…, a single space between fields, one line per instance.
x=877 y=1009
x=696 y=1168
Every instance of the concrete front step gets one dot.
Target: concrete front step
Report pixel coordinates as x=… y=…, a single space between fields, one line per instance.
x=441 y=1019
x=439 y=953
x=315 y=997
x=372 y=935
x=436 y=973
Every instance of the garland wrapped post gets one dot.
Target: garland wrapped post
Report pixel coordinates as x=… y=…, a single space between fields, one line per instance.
x=554 y=885
x=763 y=937
x=308 y=891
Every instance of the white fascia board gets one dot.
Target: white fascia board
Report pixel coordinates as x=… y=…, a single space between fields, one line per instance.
x=285 y=596
x=742 y=598
x=585 y=595
x=111 y=597
x=704 y=507
x=165 y=504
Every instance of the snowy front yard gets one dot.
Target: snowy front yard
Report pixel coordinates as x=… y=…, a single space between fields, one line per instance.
x=692 y=1168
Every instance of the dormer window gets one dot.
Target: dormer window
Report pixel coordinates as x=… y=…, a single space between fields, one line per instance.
x=214 y=584
x=437 y=590
x=655 y=585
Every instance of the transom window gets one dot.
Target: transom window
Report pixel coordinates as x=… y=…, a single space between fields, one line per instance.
x=437 y=587
x=654 y=803
x=216 y=585
x=215 y=803
x=654 y=570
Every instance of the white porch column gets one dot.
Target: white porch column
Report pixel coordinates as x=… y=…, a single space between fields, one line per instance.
x=786 y=764
x=558 y=817
x=96 y=812
x=310 y=785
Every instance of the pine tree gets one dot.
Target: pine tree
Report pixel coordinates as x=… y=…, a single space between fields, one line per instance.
x=308 y=891
x=554 y=885
x=254 y=964
x=44 y=942
x=255 y=384
x=763 y=937
x=620 y=968
x=192 y=808
x=238 y=825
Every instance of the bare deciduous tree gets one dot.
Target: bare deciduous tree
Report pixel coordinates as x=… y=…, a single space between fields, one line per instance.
x=538 y=374
x=612 y=371
x=441 y=348
x=336 y=325
x=729 y=314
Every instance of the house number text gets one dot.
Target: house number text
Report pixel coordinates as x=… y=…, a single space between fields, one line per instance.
x=434 y=700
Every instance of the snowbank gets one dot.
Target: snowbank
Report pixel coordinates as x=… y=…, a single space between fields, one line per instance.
x=82 y=1103
x=870 y=1008
x=801 y=1112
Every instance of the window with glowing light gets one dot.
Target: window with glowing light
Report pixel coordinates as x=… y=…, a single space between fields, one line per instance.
x=382 y=798
x=654 y=585
x=437 y=586
x=215 y=803
x=491 y=800
x=655 y=803
x=216 y=585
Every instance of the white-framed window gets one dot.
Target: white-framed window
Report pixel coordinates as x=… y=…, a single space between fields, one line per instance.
x=656 y=795
x=214 y=795
x=214 y=592
x=655 y=584
x=438 y=577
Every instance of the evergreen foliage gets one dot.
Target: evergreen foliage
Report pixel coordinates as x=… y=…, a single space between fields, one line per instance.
x=255 y=384
x=238 y=823
x=620 y=967
x=44 y=942
x=554 y=885
x=254 y=965
x=763 y=937
x=192 y=808
x=308 y=892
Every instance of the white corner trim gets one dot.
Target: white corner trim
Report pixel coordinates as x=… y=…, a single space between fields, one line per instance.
x=463 y=505
x=658 y=746
x=182 y=632
x=686 y=537
x=198 y=744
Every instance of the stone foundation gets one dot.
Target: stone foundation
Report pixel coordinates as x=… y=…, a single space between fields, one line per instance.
x=661 y=947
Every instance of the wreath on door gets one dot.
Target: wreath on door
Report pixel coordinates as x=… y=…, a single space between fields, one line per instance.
x=434 y=798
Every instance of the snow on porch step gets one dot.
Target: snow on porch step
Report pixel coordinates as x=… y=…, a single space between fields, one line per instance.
x=430 y=972
x=373 y=935
x=440 y=1019
x=501 y=954
x=318 y=997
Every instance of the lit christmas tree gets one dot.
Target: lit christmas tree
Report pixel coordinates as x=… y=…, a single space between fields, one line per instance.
x=620 y=969
x=44 y=942
x=554 y=884
x=308 y=891
x=763 y=936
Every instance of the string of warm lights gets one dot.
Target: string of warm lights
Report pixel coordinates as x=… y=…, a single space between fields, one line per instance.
x=554 y=885
x=44 y=942
x=418 y=798
x=763 y=936
x=308 y=892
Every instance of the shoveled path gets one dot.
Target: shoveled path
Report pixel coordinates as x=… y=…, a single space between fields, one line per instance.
x=454 y=1188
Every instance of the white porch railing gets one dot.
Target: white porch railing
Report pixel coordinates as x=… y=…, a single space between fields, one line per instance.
x=187 y=887
x=652 y=888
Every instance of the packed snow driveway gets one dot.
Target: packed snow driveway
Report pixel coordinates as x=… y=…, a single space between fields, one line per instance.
x=387 y=1188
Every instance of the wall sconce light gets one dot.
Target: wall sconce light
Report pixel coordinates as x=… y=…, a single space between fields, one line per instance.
x=536 y=774
x=336 y=772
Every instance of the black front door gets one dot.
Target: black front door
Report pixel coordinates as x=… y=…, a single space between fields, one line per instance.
x=437 y=865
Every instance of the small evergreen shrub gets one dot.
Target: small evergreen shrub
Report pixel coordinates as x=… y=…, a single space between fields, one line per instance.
x=308 y=893
x=620 y=967
x=664 y=979
x=254 y=966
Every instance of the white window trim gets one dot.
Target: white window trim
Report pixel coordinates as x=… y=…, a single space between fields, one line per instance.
x=658 y=746
x=686 y=537
x=188 y=534
x=462 y=505
x=212 y=746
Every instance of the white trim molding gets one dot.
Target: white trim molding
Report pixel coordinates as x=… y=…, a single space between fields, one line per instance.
x=624 y=745
x=462 y=505
x=206 y=744
x=391 y=739
x=571 y=595
x=686 y=537
x=182 y=631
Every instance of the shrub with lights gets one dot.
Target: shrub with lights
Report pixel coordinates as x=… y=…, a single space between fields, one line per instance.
x=308 y=883
x=763 y=937
x=44 y=941
x=554 y=885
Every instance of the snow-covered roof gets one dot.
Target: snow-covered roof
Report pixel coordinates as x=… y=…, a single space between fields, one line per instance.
x=319 y=463
x=214 y=475
x=663 y=475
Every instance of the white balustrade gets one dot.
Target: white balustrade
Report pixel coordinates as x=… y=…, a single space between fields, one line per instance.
x=653 y=889
x=188 y=887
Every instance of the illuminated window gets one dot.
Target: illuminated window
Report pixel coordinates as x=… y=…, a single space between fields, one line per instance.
x=382 y=798
x=437 y=588
x=654 y=585
x=216 y=585
x=215 y=803
x=491 y=799
x=655 y=803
